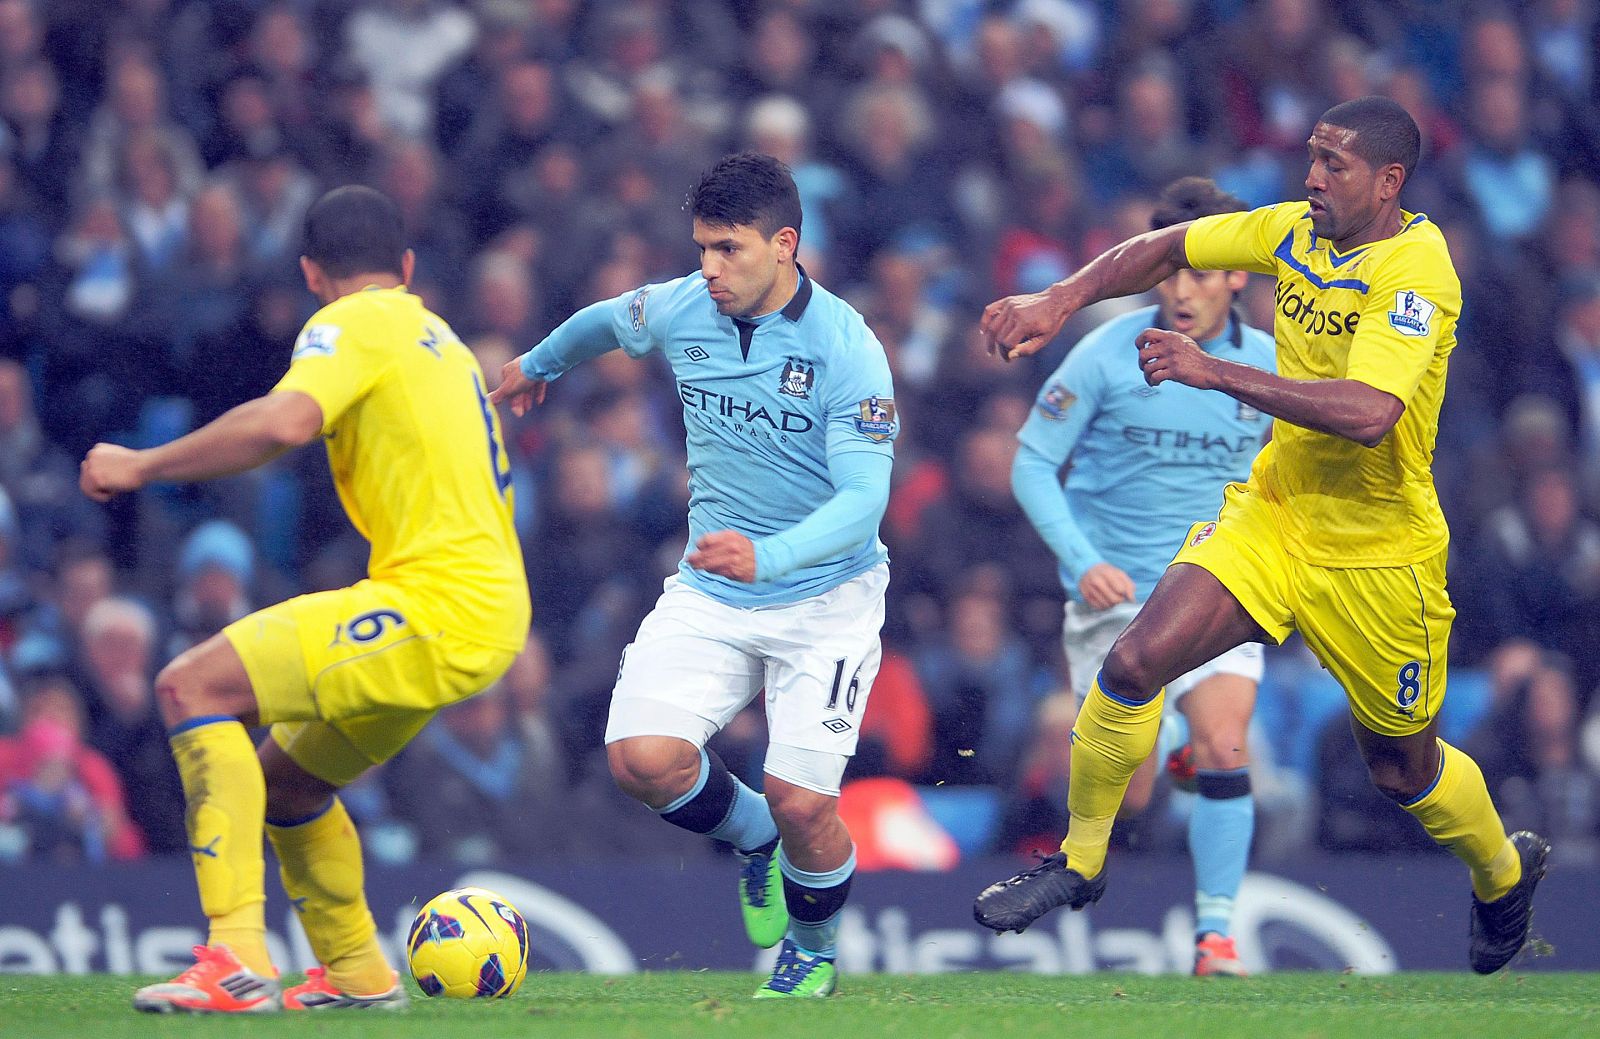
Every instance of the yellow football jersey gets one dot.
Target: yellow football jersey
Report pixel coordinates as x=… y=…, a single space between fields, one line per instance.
x=417 y=458
x=1383 y=314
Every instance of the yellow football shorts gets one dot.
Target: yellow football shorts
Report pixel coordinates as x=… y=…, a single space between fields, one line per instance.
x=1381 y=631
x=347 y=677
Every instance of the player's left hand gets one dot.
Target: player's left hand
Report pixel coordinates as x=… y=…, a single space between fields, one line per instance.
x=521 y=391
x=725 y=552
x=108 y=470
x=1172 y=356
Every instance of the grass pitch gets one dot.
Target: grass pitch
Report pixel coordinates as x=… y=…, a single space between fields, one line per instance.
x=948 y=1006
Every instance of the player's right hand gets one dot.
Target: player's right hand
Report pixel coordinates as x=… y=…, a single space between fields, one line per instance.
x=521 y=391
x=1103 y=586
x=1021 y=325
x=108 y=470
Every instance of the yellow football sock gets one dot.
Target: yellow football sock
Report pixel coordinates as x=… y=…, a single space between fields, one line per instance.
x=1458 y=814
x=320 y=862
x=226 y=797
x=1109 y=741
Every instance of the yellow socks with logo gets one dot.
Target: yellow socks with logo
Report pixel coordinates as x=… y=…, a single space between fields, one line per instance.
x=1111 y=738
x=1457 y=812
x=226 y=797
x=320 y=862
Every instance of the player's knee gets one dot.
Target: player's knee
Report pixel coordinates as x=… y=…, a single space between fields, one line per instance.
x=1397 y=782
x=180 y=691
x=654 y=771
x=1219 y=750
x=800 y=812
x=1129 y=672
x=293 y=794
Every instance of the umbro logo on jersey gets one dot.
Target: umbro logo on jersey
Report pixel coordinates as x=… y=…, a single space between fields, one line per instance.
x=836 y=725
x=696 y=353
x=1146 y=391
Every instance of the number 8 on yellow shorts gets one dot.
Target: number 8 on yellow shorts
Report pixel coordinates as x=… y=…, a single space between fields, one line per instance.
x=347 y=677
x=1380 y=631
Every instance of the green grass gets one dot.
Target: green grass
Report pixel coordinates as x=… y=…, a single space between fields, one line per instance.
x=982 y=1006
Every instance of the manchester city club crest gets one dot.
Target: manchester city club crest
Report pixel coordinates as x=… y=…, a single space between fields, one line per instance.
x=797 y=378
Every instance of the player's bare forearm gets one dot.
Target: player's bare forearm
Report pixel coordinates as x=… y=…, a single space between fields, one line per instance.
x=1340 y=407
x=241 y=439
x=1021 y=325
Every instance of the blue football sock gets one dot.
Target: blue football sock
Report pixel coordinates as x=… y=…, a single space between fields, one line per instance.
x=720 y=806
x=1220 y=829
x=815 y=901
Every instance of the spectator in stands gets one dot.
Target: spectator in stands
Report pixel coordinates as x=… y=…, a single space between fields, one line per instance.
x=526 y=112
x=42 y=141
x=1033 y=814
x=274 y=192
x=473 y=791
x=1151 y=146
x=119 y=664
x=505 y=301
x=1537 y=570
x=979 y=522
x=897 y=730
x=284 y=48
x=780 y=126
x=61 y=794
x=404 y=46
x=584 y=550
x=413 y=178
x=979 y=687
x=38 y=476
x=1532 y=761
x=1509 y=181
x=154 y=208
x=136 y=101
x=899 y=180
x=215 y=566
x=16 y=594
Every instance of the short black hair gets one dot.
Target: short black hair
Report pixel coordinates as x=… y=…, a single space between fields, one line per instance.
x=1385 y=131
x=1190 y=198
x=750 y=190
x=355 y=230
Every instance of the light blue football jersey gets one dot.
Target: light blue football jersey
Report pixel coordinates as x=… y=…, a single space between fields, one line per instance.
x=1146 y=462
x=766 y=403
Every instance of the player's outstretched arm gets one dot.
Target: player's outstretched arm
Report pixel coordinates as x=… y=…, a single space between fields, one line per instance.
x=581 y=337
x=1021 y=325
x=249 y=435
x=1344 y=408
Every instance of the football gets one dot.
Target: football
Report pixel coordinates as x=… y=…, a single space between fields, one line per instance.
x=468 y=943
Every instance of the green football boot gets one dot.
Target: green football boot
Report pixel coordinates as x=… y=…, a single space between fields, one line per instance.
x=799 y=975
x=766 y=917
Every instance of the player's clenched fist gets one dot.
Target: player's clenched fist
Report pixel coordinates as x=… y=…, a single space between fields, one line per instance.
x=1021 y=325
x=725 y=552
x=1173 y=356
x=108 y=470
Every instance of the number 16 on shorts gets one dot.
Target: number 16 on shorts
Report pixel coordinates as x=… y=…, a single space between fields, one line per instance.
x=850 y=692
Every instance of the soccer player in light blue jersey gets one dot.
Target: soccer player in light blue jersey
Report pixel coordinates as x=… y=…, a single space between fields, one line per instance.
x=791 y=425
x=1144 y=463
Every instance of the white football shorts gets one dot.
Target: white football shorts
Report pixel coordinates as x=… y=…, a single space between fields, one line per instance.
x=1087 y=635
x=696 y=663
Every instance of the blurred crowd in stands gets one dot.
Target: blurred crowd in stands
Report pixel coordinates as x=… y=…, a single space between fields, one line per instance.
x=156 y=157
